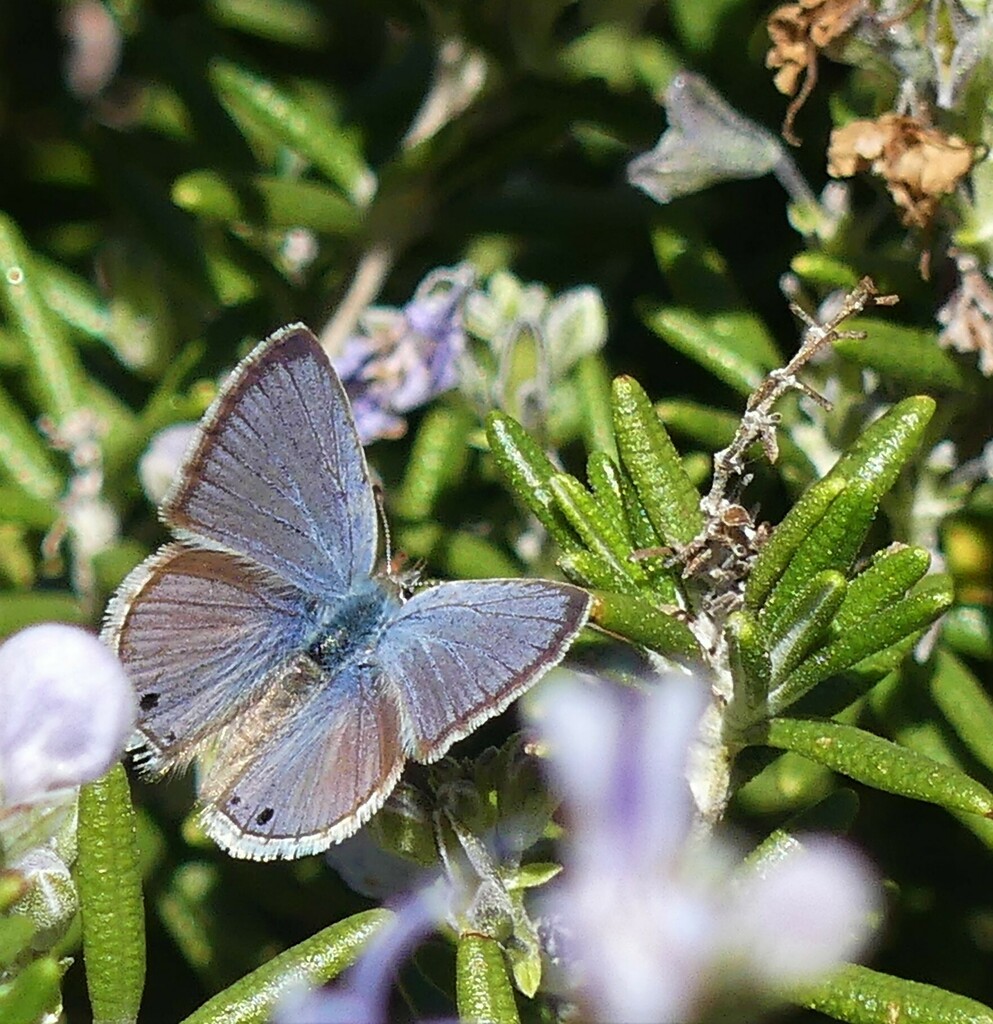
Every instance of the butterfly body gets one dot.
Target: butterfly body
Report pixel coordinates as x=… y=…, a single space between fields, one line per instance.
x=264 y=649
x=349 y=629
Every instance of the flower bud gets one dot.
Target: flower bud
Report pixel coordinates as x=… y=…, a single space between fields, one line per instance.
x=68 y=710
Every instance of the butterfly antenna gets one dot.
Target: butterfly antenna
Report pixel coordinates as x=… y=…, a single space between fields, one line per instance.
x=377 y=491
x=406 y=579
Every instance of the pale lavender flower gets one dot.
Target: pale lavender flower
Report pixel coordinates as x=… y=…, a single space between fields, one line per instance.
x=299 y=249
x=366 y=868
x=95 y=44
x=708 y=141
x=659 y=919
x=162 y=459
x=362 y=993
x=405 y=357
x=68 y=710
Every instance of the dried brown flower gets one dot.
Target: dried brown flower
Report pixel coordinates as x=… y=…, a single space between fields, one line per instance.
x=799 y=31
x=967 y=316
x=919 y=164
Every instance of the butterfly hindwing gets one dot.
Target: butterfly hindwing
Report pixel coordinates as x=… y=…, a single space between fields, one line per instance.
x=460 y=652
x=325 y=768
x=277 y=473
x=202 y=633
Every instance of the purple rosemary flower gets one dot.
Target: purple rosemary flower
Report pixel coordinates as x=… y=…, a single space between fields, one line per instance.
x=405 y=357
x=658 y=918
x=363 y=992
x=68 y=710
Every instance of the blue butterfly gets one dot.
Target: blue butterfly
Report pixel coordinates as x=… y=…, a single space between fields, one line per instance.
x=264 y=647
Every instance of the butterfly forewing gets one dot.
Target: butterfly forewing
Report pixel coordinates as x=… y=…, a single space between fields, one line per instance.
x=202 y=633
x=459 y=653
x=277 y=472
x=322 y=772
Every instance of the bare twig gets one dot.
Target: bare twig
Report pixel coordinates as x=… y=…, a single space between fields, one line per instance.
x=368 y=278
x=460 y=74
x=730 y=539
